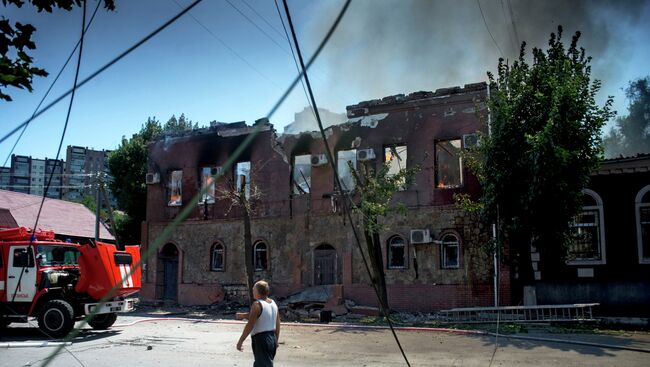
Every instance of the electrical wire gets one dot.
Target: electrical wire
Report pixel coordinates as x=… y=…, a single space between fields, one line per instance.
x=102 y=69
x=514 y=26
x=33 y=237
x=277 y=31
x=224 y=44
x=257 y=26
x=337 y=179
x=190 y=207
x=293 y=54
x=488 y=28
x=52 y=84
x=505 y=19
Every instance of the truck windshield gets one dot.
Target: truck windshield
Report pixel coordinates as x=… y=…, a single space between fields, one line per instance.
x=57 y=255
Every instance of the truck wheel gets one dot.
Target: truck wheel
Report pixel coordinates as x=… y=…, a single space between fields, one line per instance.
x=103 y=321
x=56 y=318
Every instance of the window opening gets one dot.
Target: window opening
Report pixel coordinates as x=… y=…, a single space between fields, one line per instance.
x=176 y=188
x=301 y=178
x=343 y=169
x=449 y=164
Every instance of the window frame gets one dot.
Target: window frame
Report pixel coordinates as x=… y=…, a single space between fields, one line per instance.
x=266 y=256
x=436 y=172
x=389 y=248
x=601 y=230
x=247 y=184
x=294 y=185
x=443 y=245
x=213 y=252
x=355 y=165
x=638 y=204
x=170 y=188
x=404 y=185
x=213 y=185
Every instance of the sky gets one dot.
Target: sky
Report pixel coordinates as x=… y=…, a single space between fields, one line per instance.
x=215 y=64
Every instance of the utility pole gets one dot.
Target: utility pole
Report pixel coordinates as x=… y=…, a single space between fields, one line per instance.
x=98 y=183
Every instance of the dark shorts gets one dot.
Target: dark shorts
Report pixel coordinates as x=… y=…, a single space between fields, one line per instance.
x=264 y=345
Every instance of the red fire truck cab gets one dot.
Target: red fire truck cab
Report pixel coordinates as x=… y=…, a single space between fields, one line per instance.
x=60 y=282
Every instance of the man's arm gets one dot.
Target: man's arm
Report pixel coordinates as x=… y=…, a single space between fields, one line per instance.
x=256 y=310
x=277 y=329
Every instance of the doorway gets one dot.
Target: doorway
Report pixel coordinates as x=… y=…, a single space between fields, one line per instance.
x=167 y=273
x=324 y=265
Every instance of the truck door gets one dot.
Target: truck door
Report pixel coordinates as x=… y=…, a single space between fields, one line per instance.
x=3 y=276
x=21 y=268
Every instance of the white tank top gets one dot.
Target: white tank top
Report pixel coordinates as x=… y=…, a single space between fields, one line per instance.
x=267 y=319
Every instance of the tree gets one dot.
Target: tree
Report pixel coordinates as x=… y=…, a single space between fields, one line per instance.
x=632 y=132
x=242 y=192
x=16 y=68
x=128 y=165
x=375 y=193
x=545 y=141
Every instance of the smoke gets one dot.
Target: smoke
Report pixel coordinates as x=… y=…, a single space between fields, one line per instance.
x=388 y=47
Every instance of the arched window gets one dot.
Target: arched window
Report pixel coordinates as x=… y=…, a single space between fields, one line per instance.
x=588 y=232
x=396 y=247
x=450 y=251
x=642 y=205
x=218 y=258
x=260 y=256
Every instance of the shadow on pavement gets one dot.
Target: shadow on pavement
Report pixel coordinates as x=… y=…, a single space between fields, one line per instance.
x=26 y=333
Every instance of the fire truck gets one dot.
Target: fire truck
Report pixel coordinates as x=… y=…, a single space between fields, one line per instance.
x=59 y=282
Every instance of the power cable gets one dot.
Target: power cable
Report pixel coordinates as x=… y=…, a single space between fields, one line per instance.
x=224 y=44
x=190 y=207
x=293 y=54
x=65 y=127
x=103 y=68
x=264 y=18
x=514 y=26
x=257 y=26
x=337 y=179
x=52 y=84
x=488 y=28
x=505 y=18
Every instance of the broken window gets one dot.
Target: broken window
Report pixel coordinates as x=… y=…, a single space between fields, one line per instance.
x=449 y=164
x=395 y=157
x=218 y=257
x=585 y=230
x=450 y=251
x=643 y=224
x=301 y=178
x=175 y=188
x=243 y=178
x=396 y=253
x=343 y=169
x=208 y=184
x=260 y=256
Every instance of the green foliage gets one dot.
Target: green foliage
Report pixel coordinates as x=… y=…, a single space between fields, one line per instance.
x=544 y=143
x=16 y=69
x=376 y=191
x=128 y=163
x=632 y=133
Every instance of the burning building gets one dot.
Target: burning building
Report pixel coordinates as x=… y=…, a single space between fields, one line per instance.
x=432 y=253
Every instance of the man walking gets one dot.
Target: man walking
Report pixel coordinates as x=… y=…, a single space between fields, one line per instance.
x=263 y=326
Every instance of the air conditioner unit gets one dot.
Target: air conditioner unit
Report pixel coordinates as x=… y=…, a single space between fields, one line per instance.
x=420 y=236
x=470 y=141
x=318 y=159
x=152 y=178
x=365 y=154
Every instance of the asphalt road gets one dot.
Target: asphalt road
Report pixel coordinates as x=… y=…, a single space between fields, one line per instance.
x=195 y=344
